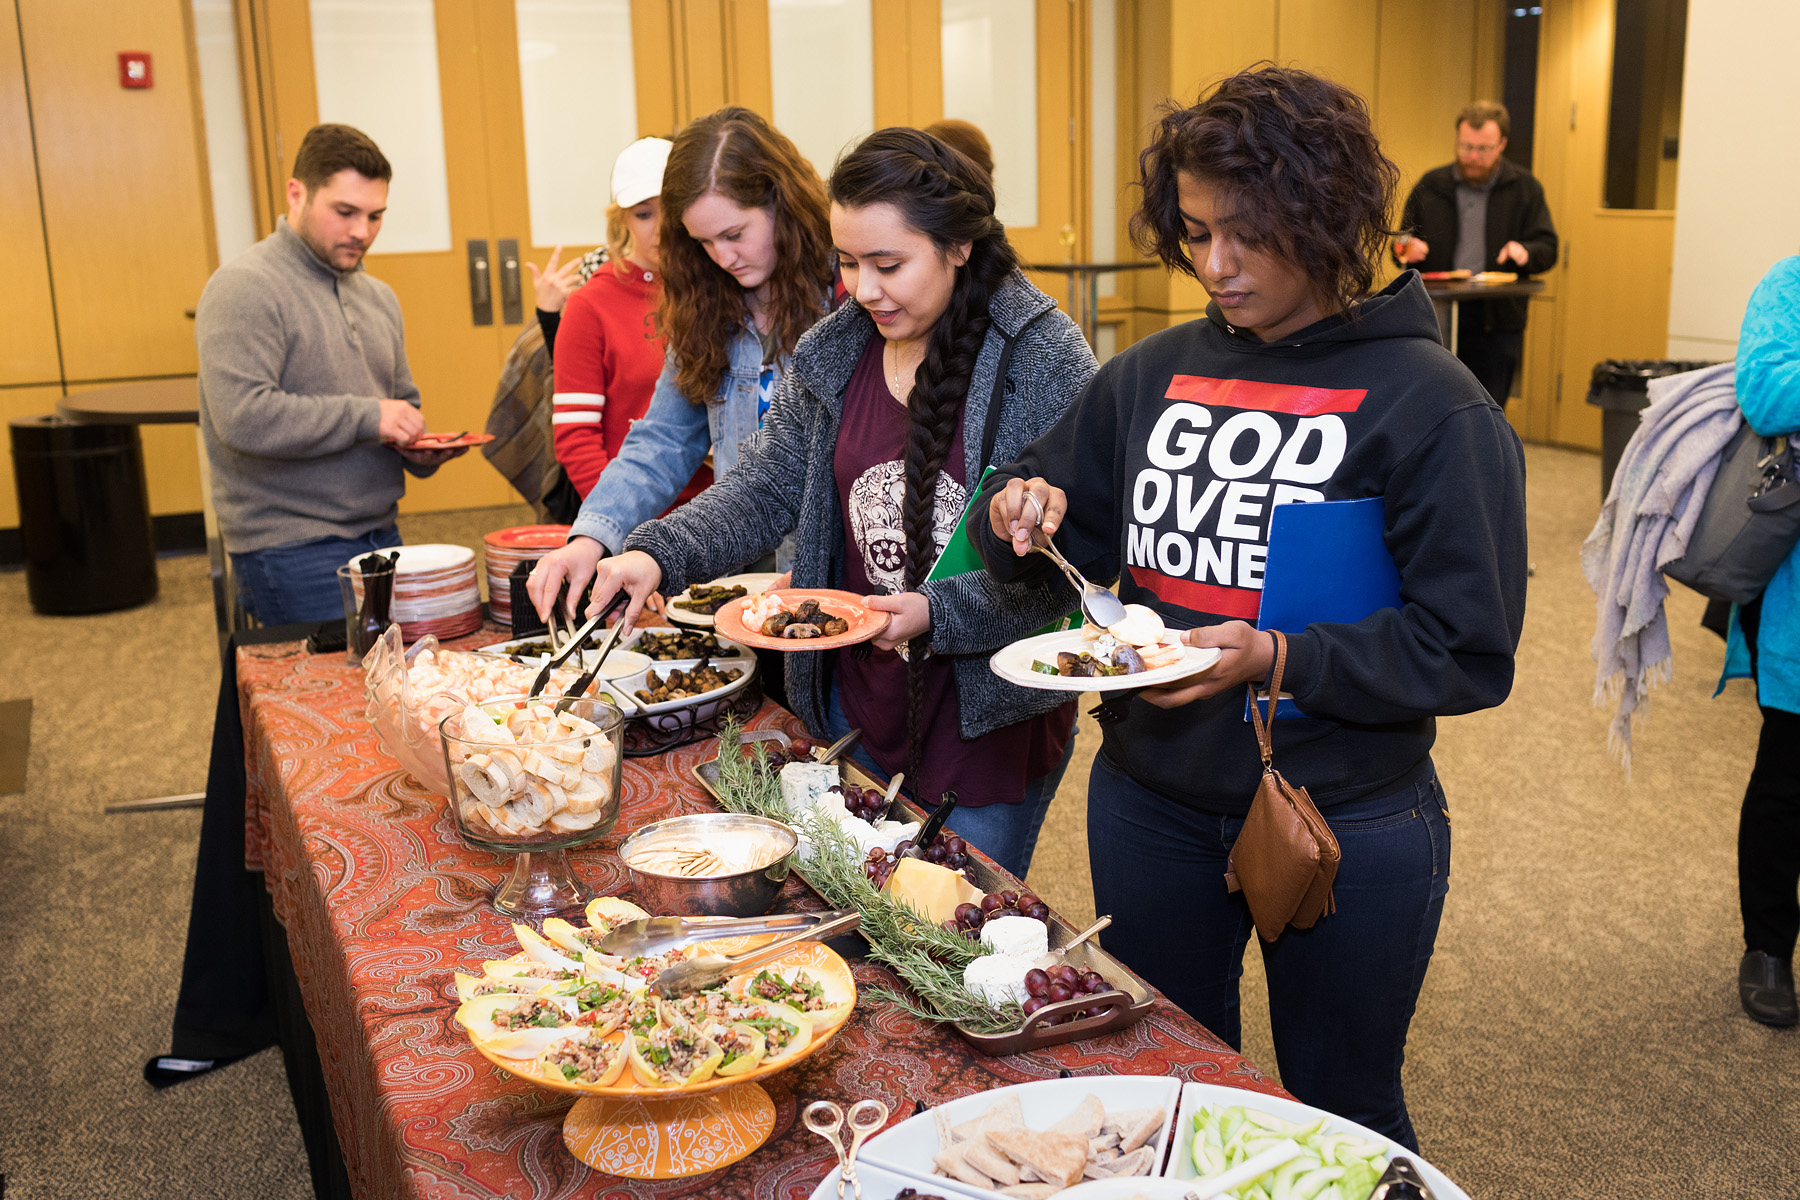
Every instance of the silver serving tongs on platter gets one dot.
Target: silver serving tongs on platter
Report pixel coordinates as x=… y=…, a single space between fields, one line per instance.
x=714 y=969
x=659 y=935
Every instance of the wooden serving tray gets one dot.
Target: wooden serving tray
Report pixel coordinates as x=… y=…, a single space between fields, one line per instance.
x=1129 y=1003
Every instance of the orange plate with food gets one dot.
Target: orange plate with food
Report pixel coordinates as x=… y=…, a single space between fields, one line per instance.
x=820 y=609
x=450 y=441
x=820 y=963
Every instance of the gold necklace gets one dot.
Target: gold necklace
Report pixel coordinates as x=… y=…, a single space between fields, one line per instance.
x=896 y=373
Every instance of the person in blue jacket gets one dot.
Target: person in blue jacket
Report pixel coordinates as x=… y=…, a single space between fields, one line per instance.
x=747 y=268
x=1765 y=645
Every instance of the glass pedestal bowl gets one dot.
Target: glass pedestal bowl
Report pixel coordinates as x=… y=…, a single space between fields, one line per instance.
x=534 y=779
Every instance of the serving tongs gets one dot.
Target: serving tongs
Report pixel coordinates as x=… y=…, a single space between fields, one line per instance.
x=831 y=1123
x=573 y=646
x=659 y=935
x=714 y=969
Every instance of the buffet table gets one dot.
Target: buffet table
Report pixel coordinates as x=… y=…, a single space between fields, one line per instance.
x=382 y=901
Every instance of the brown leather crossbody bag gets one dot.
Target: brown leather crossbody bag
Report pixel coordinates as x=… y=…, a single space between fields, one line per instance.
x=1286 y=858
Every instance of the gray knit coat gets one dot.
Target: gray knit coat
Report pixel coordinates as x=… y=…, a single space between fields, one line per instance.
x=784 y=480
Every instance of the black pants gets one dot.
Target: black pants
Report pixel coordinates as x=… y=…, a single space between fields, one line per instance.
x=1493 y=355
x=1769 y=827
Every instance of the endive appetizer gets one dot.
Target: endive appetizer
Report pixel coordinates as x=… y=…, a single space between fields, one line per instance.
x=785 y=1031
x=591 y=1058
x=822 y=999
x=743 y=1048
x=517 y=1026
x=672 y=1056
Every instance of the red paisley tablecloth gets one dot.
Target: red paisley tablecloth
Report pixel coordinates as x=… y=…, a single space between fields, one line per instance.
x=382 y=901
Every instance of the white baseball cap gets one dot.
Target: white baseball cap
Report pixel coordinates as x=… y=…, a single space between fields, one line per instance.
x=638 y=171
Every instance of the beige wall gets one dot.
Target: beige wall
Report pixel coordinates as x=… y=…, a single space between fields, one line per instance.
x=1738 y=199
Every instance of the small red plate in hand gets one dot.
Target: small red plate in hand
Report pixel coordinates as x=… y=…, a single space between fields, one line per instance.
x=439 y=441
x=865 y=623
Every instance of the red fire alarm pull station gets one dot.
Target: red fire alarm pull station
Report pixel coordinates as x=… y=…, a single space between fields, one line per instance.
x=134 y=69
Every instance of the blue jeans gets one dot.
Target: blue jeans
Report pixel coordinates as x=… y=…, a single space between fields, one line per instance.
x=298 y=582
x=1006 y=833
x=1341 y=994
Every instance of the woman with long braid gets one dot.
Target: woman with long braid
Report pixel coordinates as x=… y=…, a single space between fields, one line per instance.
x=875 y=439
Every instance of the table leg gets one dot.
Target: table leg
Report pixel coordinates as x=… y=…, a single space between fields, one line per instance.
x=1091 y=326
x=1445 y=311
x=1455 y=325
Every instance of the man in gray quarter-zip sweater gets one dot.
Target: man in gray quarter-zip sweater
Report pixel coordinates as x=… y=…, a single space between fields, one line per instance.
x=307 y=407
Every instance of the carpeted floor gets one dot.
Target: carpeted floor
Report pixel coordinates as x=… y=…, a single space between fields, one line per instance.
x=1579 y=1032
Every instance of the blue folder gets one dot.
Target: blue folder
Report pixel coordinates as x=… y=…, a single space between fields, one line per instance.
x=1327 y=561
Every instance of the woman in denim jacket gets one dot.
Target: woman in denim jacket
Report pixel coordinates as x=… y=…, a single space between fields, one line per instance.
x=746 y=261
x=878 y=435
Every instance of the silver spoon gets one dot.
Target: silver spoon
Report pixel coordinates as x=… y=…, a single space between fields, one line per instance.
x=1100 y=605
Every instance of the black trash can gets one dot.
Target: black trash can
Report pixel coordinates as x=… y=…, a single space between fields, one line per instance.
x=1620 y=388
x=84 y=515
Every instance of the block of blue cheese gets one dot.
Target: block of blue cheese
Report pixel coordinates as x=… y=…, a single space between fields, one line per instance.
x=802 y=783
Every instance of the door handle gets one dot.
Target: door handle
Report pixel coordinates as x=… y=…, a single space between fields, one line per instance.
x=481 y=293
x=511 y=312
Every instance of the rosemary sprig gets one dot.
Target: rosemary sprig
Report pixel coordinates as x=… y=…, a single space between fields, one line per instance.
x=927 y=957
x=746 y=784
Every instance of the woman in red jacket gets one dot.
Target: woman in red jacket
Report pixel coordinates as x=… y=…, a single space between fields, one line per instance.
x=609 y=349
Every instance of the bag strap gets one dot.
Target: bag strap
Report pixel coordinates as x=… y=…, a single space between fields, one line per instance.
x=990 y=429
x=1265 y=734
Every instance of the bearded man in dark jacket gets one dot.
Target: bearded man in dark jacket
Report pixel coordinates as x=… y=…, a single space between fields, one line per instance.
x=1481 y=213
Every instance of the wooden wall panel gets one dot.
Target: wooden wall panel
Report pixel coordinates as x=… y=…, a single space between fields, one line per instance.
x=909 y=63
x=1417 y=96
x=653 y=64
x=28 y=351
x=124 y=197
x=1338 y=39
x=16 y=402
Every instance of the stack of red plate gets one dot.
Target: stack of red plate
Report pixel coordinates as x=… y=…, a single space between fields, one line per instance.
x=436 y=592
x=506 y=549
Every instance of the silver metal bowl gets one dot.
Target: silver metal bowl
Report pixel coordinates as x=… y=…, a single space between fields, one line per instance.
x=745 y=894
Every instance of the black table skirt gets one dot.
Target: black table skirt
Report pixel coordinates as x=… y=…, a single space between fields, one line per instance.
x=238 y=992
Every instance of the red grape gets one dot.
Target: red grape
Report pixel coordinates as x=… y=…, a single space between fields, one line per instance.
x=1033 y=1004
x=990 y=902
x=1066 y=974
x=1037 y=983
x=1037 y=912
x=1009 y=899
x=1059 y=992
x=968 y=915
x=1093 y=981
x=800 y=748
x=956 y=845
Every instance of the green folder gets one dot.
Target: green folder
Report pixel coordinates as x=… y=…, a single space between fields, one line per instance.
x=960 y=557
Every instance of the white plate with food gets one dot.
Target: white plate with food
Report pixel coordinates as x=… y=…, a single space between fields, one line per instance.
x=1057 y=1131
x=700 y=601
x=1037 y=662
x=878 y=1183
x=1213 y=1103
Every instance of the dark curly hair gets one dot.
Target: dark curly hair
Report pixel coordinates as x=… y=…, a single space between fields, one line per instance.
x=943 y=195
x=1297 y=155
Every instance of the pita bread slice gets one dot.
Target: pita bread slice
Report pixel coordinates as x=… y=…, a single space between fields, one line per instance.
x=989 y=1161
x=1056 y=1157
x=1139 y=1162
x=951 y=1162
x=1031 y=1191
x=1135 y=1126
x=1085 y=1121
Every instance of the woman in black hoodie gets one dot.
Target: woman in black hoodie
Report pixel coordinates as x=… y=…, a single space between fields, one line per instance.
x=1297 y=385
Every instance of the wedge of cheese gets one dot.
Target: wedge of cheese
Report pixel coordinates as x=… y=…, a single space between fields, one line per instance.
x=930 y=890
